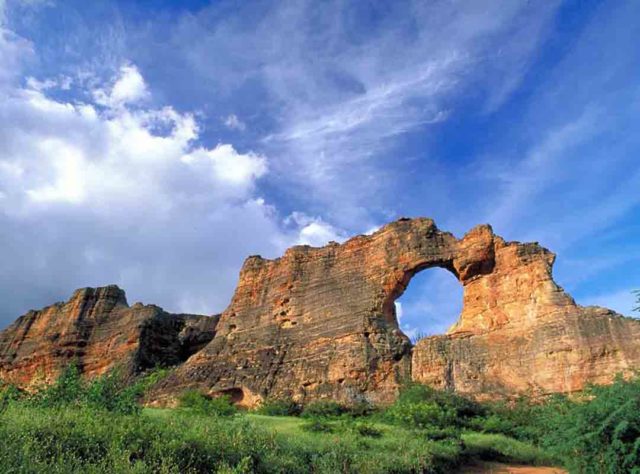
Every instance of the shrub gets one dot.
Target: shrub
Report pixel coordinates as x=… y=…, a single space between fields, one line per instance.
x=366 y=429
x=462 y=406
x=419 y=414
x=323 y=408
x=497 y=447
x=279 y=407
x=317 y=425
x=8 y=394
x=202 y=404
x=435 y=433
x=600 y=432
x=361 y=409
x=69 y=388
x=111 y=392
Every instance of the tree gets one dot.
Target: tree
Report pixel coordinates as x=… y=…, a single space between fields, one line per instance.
x=637 y=293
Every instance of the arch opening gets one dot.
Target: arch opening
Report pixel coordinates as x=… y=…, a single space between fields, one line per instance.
x=430 y=304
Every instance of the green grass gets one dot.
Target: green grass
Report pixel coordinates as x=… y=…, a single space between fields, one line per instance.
x=99 y=427
x=497 y=447
x=81 y=440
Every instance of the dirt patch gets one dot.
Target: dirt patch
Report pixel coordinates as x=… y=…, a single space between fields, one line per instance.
x=499 y=468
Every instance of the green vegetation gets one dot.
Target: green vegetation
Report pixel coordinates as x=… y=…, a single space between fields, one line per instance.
x=204 y=405
x=279 y=407
x=99 y=427
x=637 y=293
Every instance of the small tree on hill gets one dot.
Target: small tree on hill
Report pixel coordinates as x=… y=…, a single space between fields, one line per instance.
x=637 y=293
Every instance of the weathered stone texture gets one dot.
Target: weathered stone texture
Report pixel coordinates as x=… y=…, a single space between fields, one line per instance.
x=98 y=331
x=520 y=333
x=321 y=323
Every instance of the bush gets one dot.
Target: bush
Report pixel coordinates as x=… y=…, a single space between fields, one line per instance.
x=204 y=405
x=9 y=394
x=600 y=432
x=111 y=392
x=435 y=433
x=420 y=415
x=521 y=419
x=323 y=408
x=279 y=407
x=462 y=406
x=317 y=425
x=366 y=429
x=497 y=447
x=69 y=388
x=361 y=409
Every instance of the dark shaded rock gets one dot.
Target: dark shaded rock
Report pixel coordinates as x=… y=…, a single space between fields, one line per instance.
x=97 y=330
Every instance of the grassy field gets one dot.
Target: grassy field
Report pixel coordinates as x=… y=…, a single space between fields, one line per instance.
x=100 y=427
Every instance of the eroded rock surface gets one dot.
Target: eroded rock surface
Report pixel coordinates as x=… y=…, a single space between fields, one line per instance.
x=519 y=333
x=321 y=323
x=98 y=330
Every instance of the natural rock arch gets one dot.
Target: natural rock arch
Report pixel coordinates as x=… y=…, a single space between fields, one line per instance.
x=430 y=304
x=320 y=322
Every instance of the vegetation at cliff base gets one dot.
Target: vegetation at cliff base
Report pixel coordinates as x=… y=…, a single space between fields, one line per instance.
x=77 y=427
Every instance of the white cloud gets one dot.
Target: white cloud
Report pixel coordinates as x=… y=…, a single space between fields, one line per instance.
x=74 y=153
x=314 y=231
x=226 y=164
x=113 y=192
x=129 y=88
x=234 y=123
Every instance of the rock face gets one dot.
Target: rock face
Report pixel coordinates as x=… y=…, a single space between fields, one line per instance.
x=321 y=323
x=519 y=333
x=98 y=330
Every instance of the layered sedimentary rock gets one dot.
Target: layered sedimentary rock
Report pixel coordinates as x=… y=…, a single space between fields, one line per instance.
x=97 y=330
x=520 y=333
x=321 y=323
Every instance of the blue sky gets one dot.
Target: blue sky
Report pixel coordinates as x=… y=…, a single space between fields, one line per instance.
x=157 y=144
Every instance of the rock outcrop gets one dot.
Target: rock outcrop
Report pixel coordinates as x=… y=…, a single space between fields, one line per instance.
x=520 y=333
x=321 y=323
x=97 y=330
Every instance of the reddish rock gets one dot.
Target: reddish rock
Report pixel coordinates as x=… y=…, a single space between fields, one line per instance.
x=321 y=323
x=520 y=333
x=98 y=330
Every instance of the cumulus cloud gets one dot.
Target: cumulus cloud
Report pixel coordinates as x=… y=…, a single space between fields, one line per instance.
x=314 y=231
x=111 y=191
x=129 y=88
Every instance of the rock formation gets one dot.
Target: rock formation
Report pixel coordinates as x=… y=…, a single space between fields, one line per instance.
x=98 y=330
x=321 y=323
x=519 y=333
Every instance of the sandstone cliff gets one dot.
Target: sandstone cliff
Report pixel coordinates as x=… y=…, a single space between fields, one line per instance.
x=321 y=323
x=98 y=330
x=519 y=333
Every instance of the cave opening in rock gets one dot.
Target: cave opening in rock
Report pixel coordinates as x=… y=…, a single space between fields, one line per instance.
x=430 y=305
